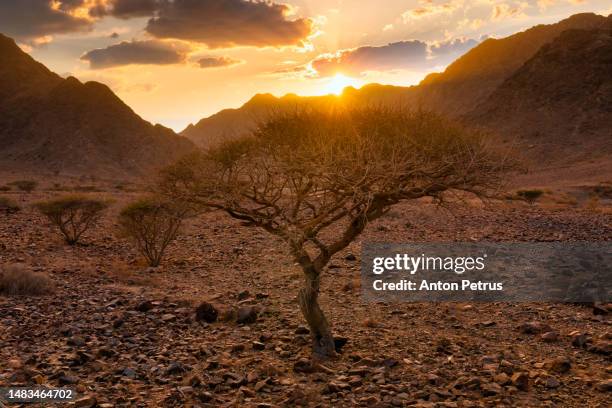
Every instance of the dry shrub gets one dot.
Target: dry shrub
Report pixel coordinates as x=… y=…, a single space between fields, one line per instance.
x=152 y=224
x=8 y=206
x=25 y=185
x=530 y=196
x=73 y=214
x=17 y=280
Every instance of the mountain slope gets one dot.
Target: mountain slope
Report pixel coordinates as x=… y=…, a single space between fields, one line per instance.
x=230 y=123
x=560 y=101
x=49 y=123
x=474 y=76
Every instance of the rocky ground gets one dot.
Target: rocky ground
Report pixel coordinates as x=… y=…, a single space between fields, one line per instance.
x=126 y=335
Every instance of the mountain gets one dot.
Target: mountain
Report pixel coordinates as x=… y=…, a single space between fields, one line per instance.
x=457 y=91
x=61 y=125
x=231 y=123
x=560 y=101
x=475 y=75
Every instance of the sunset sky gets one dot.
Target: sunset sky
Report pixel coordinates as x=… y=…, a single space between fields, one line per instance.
x=175 y=62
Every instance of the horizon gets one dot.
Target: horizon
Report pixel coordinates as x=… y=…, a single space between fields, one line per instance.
x=301 y=47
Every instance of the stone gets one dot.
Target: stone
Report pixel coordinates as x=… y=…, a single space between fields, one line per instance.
x=258 y=345
x=605 y=386
x=129 y=373
x=551 y=382
x=168 y=317
x=14 y=363
x=68 y=380
x=579 y=339
x=520 y=381
x=534 y=328
x=550 y=337
x=491 y=389
x=85 y=402
x=176 y=368
x=339 y=343
x=502 y=378
x=247 y=315
x=303 y=365
x=302 y=330
x=145 y=306
x=206 y=312
x=559 y=365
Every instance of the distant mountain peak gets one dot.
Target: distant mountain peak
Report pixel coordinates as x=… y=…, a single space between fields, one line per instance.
x=48 y=123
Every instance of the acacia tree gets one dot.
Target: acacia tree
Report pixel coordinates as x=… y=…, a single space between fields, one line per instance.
x=317 y=178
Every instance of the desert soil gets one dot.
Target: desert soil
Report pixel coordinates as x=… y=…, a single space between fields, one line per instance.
x=123 y=334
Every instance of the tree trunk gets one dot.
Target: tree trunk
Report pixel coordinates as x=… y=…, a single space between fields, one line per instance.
x=322 y=340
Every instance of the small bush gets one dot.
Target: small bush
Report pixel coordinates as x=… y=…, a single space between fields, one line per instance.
x=73 y=215
x=152 y=224
x=8 y=206
x=25 y=185
x=16 y=280
x=531 y=196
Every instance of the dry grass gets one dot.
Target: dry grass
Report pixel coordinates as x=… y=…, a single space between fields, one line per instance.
x=8 y=206
x=17 y=280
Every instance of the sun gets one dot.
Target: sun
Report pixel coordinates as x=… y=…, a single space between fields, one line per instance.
x=338 y=82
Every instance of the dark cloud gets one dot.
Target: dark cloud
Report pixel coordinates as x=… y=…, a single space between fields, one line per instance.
x=217 y=62
x=413 y=54
x=30 y=19
x=136 y=52
x=228 y=23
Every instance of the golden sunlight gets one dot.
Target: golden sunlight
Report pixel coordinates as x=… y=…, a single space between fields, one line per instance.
x=338 y=82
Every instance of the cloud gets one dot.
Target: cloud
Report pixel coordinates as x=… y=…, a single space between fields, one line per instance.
x=407 y=55
x=126 y=9
x=28 y=20
x=218 y=62
x=428 y=9
x=229 y=23
x=505 y=10
x=152 y=52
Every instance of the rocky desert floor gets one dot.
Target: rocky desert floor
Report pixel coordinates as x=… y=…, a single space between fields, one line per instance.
x=123 y=334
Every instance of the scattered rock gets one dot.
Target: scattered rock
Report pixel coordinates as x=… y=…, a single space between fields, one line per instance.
x=145 y=306
x=339 y=343
x=491 y=389
x=551 y=382
x=559 y=365
x=168 y=317
x=247 y=315
x=520 y=381
x=550 y=337
x=534 y=328
x=206 y=312
x=605 y=386
x=579 y=339
x=303 y=365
